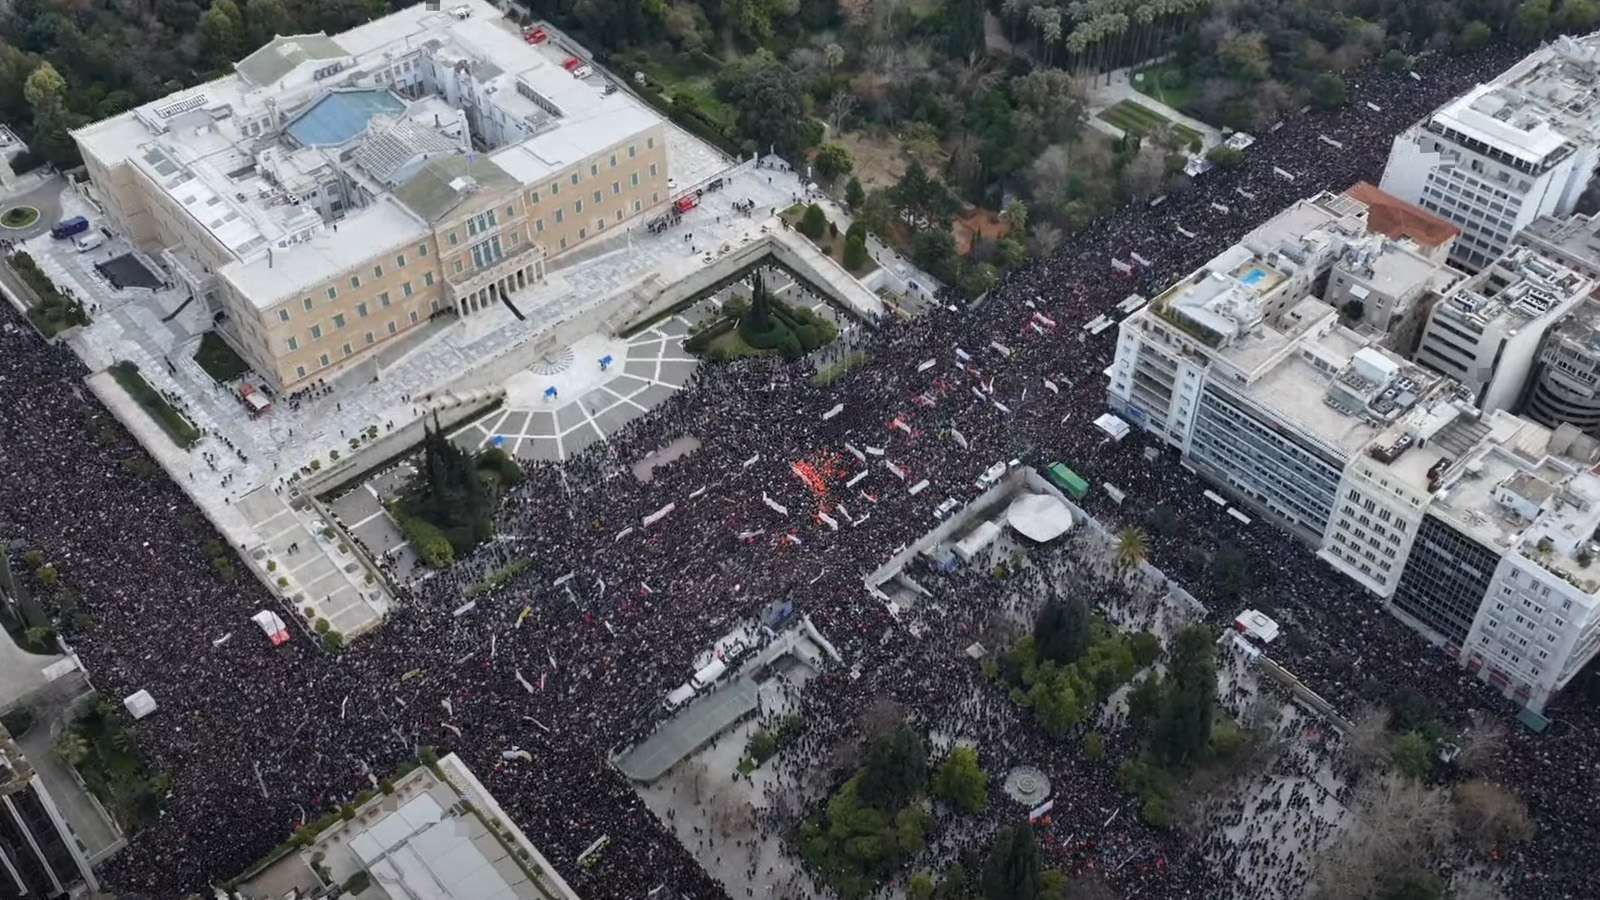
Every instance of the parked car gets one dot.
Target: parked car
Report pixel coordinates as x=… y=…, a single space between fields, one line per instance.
x=89 y=241
x=68 y=227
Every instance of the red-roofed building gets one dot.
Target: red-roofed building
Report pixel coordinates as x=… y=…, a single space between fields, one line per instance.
x=1392 y=217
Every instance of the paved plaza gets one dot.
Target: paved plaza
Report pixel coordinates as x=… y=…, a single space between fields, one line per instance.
x=591 y=402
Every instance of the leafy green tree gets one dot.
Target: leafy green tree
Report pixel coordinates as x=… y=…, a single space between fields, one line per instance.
x=814 y=222
x=222 y=32
x=263 y=20
x=855 y=253
x=854 y=193
x=832 y=161
x=964 y=28
x=1146 y=648
x=46 y=93
x=1475 y=35
x=452 y=495
x=934 y=251
x=896 y=769
x=1061 y=633
x=1013 y=870
x=1183 y=731
x=769 y=102
x=955 y=884
x=978 y=279
x=877 y=211
x=1328 y=90
x=1060 y=698
x=1579 y=16
x=920 y=887
x=925 y=199
x=71 y=748
x=961 y=782
x=1412 y=755
x=1532 y=21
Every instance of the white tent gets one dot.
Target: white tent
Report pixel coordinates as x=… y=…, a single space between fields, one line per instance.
x=1039 y=517
x=1112 y=426
x=975 y=542
x=1256 y=624
x=272 y=624
x=140 y=703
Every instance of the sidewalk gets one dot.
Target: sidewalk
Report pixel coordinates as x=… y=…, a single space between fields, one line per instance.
x=1103 y=96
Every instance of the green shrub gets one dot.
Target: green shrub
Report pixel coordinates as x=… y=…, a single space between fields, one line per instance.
x=431 y=544
x=855 y=253
x=814 y=223
x=323 y=626
x=702 y=340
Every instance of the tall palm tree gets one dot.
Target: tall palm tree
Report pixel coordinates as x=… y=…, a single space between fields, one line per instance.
x=1132 y=547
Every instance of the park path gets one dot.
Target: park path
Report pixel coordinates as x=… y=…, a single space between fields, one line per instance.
x=1109 y=90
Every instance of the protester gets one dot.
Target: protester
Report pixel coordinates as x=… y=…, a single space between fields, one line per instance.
x=259 y=740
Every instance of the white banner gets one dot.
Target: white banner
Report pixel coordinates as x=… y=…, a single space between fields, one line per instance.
x=1283 y=174
x=1121 y=266
x=959 y=438
x=1330 y=142
x=696 y=492
x=623 y=533
x=1220 y=208
x=751 y=461
x=659 y=514
x=1044 y=320
x=1185 y=232
x=963 y=355
x=830 y=521
x=926 y=365
x=1139 y=259
x=1051 y=386
x=777 y=507
x=919 y=487
x=875 y=451
x=856 y=479
x=860 y=457
x=898 y=472
x=1001 y=349
x=838 y=408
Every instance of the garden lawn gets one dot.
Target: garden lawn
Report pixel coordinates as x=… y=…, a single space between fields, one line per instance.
x=831 y=245
x=1179 y=97
x=218 y=359
x=182 y=432
x=1138 y=119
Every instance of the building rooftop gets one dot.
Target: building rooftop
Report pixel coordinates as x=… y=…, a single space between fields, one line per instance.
x=430 y=838
x=1574 y=240
x=364 y=110
x=1520 y=287
x=276 y=275
x=1537 y=108
x=1392 y=217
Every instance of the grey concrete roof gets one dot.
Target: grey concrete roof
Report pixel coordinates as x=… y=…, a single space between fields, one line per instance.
x=442 y=184
x=280 y=56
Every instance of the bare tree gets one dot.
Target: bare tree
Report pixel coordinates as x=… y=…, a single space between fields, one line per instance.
x=1046 y=238
x=1475 y=887
x=882 y=717
x=731 y=814
x=1482 y=742
x=691 y=776
x=1489 y=815
x=1366 y=747
x=1399 y=824
x=839 y=108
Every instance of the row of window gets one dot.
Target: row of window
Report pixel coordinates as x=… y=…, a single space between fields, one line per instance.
x=616 y=186
x=362 y=310
x=332 y=291
x=346 y=351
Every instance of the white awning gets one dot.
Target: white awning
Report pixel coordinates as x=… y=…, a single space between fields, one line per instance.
x=140 y=704
x=1039 y=517
x=1113 y=426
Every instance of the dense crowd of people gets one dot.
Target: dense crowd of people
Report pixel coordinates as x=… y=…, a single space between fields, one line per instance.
x=570 y=668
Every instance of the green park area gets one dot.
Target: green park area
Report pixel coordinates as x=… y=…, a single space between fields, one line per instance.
x=180 y=429
x=1166 y=83
x=848 y=248
x=219 y=360
x=100 y=745
x=52 y=312
x=19 y=217
x=763 y=326
x=1139 y=120
x=449 y=508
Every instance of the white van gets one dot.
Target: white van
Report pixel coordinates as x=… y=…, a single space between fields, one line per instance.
x=88 y=241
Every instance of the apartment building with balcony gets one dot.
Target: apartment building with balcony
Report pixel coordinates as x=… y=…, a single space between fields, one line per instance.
x=336 y=192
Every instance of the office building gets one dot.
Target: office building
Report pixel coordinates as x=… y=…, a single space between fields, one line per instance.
x=1245 y=370
x=1566 y=385
x=1505 y=153
x=431 y=832
x=1573 y=241
x=1487 y=330
x=1377 y=462
x=335 y=192
x=37 y=855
